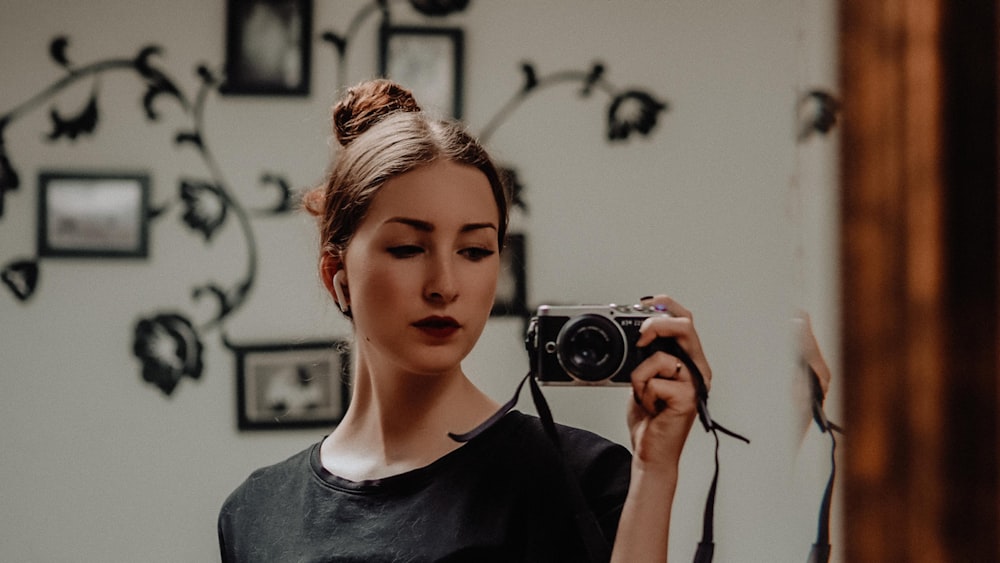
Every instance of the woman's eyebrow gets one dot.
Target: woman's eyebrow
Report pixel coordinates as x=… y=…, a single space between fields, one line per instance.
x=428 y=227
x=415 y=223
x=477 y=226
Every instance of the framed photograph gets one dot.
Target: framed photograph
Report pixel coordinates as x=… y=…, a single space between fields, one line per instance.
x=93 y=215
x=428 y=61
x=511 y=298
x=268 y=47
x=292 y=385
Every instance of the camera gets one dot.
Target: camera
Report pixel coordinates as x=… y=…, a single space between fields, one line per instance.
x=590 y=344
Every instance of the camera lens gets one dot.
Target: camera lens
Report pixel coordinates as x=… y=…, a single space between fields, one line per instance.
x=591 y=348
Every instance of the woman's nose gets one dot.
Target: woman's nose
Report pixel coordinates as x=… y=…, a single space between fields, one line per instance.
x=441 y=284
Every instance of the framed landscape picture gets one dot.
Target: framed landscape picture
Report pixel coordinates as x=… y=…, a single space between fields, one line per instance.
x=292 y=385
x=93 y=214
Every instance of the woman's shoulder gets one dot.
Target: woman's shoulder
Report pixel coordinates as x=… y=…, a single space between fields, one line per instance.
x=577 y=445
x=285 y=474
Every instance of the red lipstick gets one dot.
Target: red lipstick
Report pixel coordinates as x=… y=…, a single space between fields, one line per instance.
x=438 y=327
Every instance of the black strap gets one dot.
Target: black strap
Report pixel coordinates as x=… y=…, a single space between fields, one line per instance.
x=820 y=552
x=598 y=547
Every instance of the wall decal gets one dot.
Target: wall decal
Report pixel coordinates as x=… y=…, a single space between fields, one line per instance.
x=818 y=113
x=629 y=110
x=21 y=277
x=166 y=343
x=169 y=349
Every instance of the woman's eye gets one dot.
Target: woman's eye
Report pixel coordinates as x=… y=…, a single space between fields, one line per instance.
x=405 y=251
x=476 y=253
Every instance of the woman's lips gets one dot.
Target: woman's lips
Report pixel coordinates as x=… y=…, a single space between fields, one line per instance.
x=438 y=327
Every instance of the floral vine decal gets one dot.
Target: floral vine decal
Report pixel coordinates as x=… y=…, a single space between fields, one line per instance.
x=818 y=113
x=629 y=111
x=167 y=344
x=169 y=349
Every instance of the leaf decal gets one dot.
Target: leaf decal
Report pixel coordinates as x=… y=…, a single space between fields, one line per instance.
x=205 y=207
x=338 y=42
x=630 y=111
x=287 y=199
x=169 y=348
x=225 y=303
x=595 y=75
x=57 y=50
x=83 y=123
x=206 y=75
x=21 y=277
x=189 y=137
x=818 y=113
x=530 y=77
x=157 y=83
x=9 y=178
x=154 y=213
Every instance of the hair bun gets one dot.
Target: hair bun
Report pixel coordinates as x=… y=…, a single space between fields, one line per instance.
x=366 y=104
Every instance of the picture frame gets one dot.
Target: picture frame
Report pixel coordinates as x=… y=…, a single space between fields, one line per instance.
x=292 y=384
x=511 y=296
x=429 y=62
x=268 y=48
x=93 y=214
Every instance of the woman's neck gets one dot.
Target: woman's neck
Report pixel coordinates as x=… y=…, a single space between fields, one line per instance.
x=398 y=421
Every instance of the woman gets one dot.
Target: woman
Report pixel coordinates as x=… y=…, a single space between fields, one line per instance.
x=413 y=217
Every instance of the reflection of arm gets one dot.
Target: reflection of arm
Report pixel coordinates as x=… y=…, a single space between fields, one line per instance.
x=813 y=371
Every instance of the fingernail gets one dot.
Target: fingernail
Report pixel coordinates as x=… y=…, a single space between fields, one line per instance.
x=646 y=298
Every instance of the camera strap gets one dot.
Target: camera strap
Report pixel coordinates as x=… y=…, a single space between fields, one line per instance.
x=598 y=547
x=706 y=547
x=820 y=552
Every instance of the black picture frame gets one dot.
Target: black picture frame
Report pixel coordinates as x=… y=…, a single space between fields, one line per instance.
x=428 y=61
x=268 y=48
x=93 y=214
x=512 y=292
x=285 y=385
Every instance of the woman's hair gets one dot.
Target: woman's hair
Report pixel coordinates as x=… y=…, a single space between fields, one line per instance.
x=383 y=133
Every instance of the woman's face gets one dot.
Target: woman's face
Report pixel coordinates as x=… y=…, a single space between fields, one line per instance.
x=421 y=270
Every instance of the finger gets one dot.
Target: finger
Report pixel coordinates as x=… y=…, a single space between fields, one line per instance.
x=668 y=304
x=665 y=326
x=681 y=329
x=658 y=366
x=664 y=395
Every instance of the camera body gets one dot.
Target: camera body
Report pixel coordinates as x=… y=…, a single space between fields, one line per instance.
x=590 y=344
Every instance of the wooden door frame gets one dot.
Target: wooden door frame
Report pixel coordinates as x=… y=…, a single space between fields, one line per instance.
x=919 y=275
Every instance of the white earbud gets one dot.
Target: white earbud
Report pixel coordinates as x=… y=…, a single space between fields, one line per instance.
x=338 y=289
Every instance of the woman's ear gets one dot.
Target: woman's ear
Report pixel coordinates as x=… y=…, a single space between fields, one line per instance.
x=335 y=280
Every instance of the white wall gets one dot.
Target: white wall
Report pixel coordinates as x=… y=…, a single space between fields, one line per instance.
x=718 y=208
